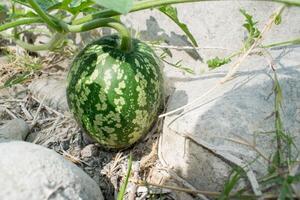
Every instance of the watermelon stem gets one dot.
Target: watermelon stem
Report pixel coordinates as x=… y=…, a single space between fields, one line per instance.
x=51 y=45
x=18 y=22
x=50 y=20
x=126 y=41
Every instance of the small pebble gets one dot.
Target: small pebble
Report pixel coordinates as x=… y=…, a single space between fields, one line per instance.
x=16 y=129
x=89 y=151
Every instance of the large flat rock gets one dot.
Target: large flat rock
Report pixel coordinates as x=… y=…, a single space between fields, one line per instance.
x=201 y=142
x=241 y=110
x=213 y=24
x=29 y=171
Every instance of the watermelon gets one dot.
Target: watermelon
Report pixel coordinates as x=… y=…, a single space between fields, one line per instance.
x=114 y=95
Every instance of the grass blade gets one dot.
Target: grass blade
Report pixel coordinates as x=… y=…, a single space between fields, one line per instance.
x=124 y=185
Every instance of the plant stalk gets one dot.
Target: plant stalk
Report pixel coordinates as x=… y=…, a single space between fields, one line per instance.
x=126 y=41
x=147 y=4
x=51 y=23
x=289 y=42
x=55 y=40
x=18 y=22
x=107 y=12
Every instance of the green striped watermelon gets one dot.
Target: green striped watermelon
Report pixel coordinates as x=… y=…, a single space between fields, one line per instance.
x=115 y=96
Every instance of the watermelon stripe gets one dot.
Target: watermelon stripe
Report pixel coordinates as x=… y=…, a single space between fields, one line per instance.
x=115 y=96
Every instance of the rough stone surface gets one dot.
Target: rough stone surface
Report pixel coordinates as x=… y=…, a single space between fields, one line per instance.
x=240 y=110
x=213 y=24
x=3 y=60
x=89 y=151
x=52 y=91
x=295 y=171
x=30 y=171
x=16 y=129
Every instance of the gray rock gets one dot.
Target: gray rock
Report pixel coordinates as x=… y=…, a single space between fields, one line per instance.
x=54 y=92
x=16 y=129
x=213 y=24
x=241 y=110
x=89 y=151
x=242 y=107
x=4 y=60
x=29 y=171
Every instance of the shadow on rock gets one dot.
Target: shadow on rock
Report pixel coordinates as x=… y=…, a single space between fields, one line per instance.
x=231 y=125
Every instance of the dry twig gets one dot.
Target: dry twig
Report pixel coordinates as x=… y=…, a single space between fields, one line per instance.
x=37 y=113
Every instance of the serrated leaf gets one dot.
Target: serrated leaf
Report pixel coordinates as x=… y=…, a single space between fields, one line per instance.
x=217 y=62
x=250 y=25
x=120 y=6
x=171 y=12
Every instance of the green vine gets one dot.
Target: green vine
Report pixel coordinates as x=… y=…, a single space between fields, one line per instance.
x=35 y=6
x=147 y=4
x=289 y=42
x=19 y=22
x=56 y=40
x=126 y=44
x=98 y=19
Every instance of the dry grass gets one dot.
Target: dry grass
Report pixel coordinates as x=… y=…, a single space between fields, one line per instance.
x=57 y=130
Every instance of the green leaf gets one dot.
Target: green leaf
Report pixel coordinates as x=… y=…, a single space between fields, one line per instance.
x=3 y=13
x=18 y=78
x=76 y=3
x=217 y=62
x=250 y=26
x=296 y=178
x=124 y=185
x=171 y=12
x=231 y=183
x=167 y=52
x=44 y=4
x=272 y=179
x=278 y=91
x=185 y=69
x=278 y=20
x=120 y=6
x=76 y=6
x=20 y=13
x=177 y=65
x=285 y=191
